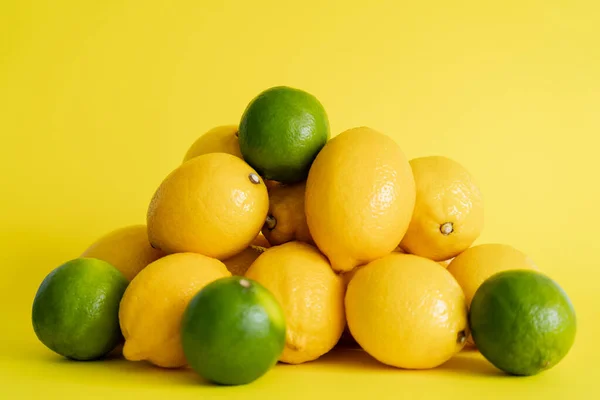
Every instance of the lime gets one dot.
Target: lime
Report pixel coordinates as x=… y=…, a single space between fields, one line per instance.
x=522 y=321
x=233 y=331
x=76 y=308
x=281 y=132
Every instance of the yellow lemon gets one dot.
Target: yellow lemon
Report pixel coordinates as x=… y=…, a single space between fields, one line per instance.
x=407 y=311
x=221 y=139
x=448 y=214
x=154 y=302
x=286 y=220
x=239 y=264
x=214 y=204
x=476 y=264
x=311 y=294
x=126 y=248
x=360 y=196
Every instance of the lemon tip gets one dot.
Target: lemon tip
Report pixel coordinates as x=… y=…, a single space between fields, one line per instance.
x=131 y=352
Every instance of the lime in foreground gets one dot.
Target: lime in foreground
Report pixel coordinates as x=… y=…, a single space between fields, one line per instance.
x=281 y=132
x=233 y=331
x=76 y=309
x=522 y=322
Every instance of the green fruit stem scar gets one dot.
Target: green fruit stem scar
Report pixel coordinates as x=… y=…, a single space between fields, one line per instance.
x=254 y=178
x=447 y=228
x=245 y=283
x=270 y=222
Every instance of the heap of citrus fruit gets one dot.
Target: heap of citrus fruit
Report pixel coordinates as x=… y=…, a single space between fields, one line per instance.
x=272 y=241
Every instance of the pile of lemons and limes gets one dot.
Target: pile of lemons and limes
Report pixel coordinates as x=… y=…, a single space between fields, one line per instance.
x=274 y=242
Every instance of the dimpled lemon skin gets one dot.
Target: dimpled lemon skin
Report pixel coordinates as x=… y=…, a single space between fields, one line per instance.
x=448 y=214
x=360 y=196
x=214 y=204
x=221 y=139
x=128 y=249
x=311 y=294
x=406 y=311
x=286 y=221
x=153 y=305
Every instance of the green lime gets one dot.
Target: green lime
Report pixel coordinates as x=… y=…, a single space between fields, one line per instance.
x=522 y=321
x=76 y=309
x=281 y=132
x=233 y=331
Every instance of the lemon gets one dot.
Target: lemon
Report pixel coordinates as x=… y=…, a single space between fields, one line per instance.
x=239 y=264
x=311 y=294
x=214 y=204
x=221 y=139
x=233 y=331
x=128 y=249
x=360 y=195
x=476 y=264
x=281 y=131
x=152 y=306
x=407 y=311
x=448 y=213
x=286 y=220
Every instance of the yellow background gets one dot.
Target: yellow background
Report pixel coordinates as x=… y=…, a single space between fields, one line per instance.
x=100 y=100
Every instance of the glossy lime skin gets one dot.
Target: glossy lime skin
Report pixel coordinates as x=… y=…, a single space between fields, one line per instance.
x=76 y=309
x=281 y=132
x=522 y=322
x=233 y=331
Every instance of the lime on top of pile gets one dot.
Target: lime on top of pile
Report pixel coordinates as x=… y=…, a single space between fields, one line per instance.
x=281 y=132
x=522 y=321
x=76 y=309
x=233 y=331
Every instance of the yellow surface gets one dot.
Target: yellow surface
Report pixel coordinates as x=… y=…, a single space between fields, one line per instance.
x=100 y=100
